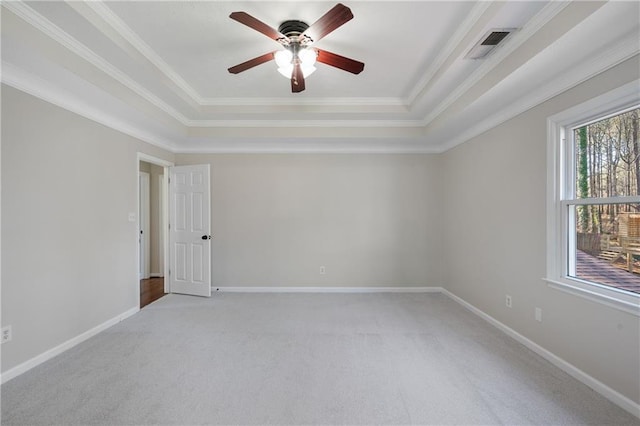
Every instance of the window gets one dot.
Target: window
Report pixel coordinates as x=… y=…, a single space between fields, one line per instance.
x=593 y=235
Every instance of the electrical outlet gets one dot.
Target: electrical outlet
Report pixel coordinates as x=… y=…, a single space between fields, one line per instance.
x=5 y=334
x=507 y=301
x=323 y=270
x=538 y=312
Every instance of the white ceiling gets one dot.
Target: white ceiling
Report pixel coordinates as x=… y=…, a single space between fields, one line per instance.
x=158 y=69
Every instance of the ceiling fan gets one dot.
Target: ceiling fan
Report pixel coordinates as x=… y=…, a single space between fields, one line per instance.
x=296 y=61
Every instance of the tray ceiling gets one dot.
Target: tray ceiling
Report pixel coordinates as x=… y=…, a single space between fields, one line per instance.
x=158 y=69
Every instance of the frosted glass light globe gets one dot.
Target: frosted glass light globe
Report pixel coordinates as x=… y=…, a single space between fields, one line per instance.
x=286 y=70
x=307 y=57
x=283 y=58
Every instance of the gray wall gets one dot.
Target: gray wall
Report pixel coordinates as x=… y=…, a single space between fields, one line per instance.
x=371 y=220
x=68 y=249
x=495 y=227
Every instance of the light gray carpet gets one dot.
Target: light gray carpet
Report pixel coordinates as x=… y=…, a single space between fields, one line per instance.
x=303 y=359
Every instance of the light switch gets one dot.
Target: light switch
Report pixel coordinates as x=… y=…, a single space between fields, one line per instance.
x=132 y=217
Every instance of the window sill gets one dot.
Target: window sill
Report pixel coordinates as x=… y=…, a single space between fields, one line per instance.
x=624 y=302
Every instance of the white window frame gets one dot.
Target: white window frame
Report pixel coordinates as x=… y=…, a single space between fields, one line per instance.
x=560 y=196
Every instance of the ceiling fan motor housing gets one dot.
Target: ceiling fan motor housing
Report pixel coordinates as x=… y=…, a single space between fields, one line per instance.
x=293 y=28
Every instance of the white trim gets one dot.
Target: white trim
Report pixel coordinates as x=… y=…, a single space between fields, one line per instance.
x=35 y=86
x=47 y=355
x=141 y=156
x=388 y=149
x=611 y=394
x=156 y=275
x=621 y=51
x=555 y=133
x=629 y=304
x=620 y=98
x=270 y=123
x=326 y=289
x=597 y=201
x=515 y=40
x=166 y=218
x=144 y=224
x=318 y=102
x=465 y=26
x=154 y=160
x=114 y=21
x=160 y=228
x=346 y=145
x=558 y=184
x=38 y=21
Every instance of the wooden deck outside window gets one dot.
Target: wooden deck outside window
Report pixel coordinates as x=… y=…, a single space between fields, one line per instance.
x=629 y=236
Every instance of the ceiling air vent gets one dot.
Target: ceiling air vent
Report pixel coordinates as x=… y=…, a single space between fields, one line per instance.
x=489 y=42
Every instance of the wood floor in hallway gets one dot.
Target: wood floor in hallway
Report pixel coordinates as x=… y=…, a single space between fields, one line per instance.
x=151 y=289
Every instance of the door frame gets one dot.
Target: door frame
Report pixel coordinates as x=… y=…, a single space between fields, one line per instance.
x=144 y=227
x=140 y=156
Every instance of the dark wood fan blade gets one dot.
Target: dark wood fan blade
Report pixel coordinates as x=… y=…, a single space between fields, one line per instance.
x=336 y=17
x=341 y=62
x=297 y=78
x=256 y=24
x=251 y=63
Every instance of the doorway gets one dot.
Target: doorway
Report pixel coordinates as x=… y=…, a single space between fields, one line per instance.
x=152 y=228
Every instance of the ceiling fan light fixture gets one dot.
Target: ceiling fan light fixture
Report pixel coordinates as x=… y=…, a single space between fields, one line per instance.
x=283 y=58
x=307 y=70
x=286 y=70
x=307 y=57
x=297 y=58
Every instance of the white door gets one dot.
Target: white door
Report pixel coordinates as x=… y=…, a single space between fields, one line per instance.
x=190 y=230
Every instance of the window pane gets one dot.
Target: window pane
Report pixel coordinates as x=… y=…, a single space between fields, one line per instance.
x=608 y=157
x=607 y=245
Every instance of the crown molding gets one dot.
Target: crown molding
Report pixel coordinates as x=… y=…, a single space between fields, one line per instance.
x=361 y=140
x=44 y=90
x=306 y=123
x=27 y=14
x=615 y=54
x=340 y=102
x=314 y=146
x=511 y=44
x=33 y=85
x=117 y=24
x=472 y=18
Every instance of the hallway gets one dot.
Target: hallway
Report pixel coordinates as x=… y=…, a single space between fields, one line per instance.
x=151 y=289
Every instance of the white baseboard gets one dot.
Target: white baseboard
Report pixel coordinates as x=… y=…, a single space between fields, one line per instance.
x=611 y=394
x=45 y=356
x=156 y=275
x=327 y=289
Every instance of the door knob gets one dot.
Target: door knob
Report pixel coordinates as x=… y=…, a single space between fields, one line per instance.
x=206 y=237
